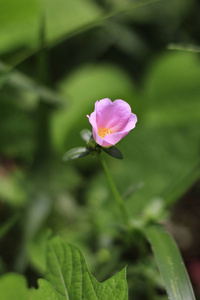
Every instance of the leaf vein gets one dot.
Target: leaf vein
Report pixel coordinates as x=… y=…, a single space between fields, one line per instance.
x=60 y=272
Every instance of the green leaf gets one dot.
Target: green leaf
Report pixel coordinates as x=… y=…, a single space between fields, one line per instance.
x=170 y=264
x=13 y=286
x=71 y=279
x=44 y=292
x=113 y=151
x=75 y=153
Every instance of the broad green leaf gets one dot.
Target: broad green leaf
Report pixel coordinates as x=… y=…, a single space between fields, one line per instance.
x=170 y=264
x=44 y=292
x=71 y=279
x=13 y=286
x=75 y=153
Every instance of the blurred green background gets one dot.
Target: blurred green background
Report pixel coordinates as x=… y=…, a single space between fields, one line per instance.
x=57 y=57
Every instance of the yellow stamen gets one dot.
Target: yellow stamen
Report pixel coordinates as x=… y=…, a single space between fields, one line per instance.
x=102 y=132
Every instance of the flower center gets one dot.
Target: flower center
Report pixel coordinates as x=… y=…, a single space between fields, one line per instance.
x=102 y=132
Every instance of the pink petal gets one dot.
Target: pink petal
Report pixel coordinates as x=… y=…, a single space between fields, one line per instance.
x=92 y=120
x=131 y=123
x=112 y=115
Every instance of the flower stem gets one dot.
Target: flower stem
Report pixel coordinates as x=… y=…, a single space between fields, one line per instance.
x=115 y=192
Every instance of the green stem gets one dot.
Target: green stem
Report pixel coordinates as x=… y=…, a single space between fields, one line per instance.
x=115 y=192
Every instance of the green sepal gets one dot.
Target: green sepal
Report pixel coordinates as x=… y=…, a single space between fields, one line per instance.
x=113 y=151
x=86 y=135
x=75 y=153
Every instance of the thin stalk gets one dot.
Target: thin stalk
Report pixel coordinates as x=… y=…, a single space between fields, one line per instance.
x=115 y=192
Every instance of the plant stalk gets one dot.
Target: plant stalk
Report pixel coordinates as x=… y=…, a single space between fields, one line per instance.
x=115 y=192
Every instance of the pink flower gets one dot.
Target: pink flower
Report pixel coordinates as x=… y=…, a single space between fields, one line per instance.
x=111 y=121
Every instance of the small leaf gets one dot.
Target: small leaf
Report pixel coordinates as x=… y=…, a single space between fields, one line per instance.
x=75 y=153
x=68 y=274
x=170 y=264
x=86 y=135
x=113 y=151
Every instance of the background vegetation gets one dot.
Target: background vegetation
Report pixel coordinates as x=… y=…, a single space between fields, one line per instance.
x=56 y=59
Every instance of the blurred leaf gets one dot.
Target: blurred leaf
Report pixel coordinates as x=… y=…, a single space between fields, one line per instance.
x=113 y=151
x=63 y=20
x=173 y=79
x=20 y=25
x=11 y=189
x=65 y=17
x=13 y=286
x=75 y=153
x=68 y=273
x=8 y=225
x=170 y=264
